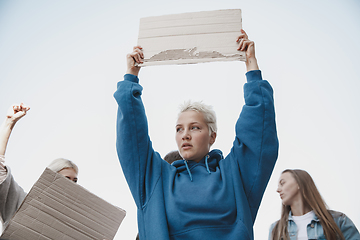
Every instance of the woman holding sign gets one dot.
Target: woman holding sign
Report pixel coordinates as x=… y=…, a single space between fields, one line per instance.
x=204 y=196
x=11 y=194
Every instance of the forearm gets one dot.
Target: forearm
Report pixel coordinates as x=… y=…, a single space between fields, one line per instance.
x=133 y=70
x=256 y=126
x=5 y=132
x=251 y=64
x=256 y=142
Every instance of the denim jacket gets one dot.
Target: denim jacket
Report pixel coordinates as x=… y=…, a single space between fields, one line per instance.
x=315 y=230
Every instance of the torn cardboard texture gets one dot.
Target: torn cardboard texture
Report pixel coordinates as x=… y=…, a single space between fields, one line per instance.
x=56 y=208
x=191 y=37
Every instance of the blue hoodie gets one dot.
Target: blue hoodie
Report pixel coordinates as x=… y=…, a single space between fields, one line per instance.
x=217 y=198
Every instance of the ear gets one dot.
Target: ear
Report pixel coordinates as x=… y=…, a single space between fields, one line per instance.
x=212 y=138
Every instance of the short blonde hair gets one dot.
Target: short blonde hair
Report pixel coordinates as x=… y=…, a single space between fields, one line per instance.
x=206 y=110
x=60 y=163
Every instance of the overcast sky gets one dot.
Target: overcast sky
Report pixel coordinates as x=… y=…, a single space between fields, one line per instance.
x=64 y=58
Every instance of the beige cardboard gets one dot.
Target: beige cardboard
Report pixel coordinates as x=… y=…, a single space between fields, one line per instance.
x=57 y=208
x=191 y=37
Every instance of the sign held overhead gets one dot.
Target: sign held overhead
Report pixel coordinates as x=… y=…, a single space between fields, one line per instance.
x=191 y=37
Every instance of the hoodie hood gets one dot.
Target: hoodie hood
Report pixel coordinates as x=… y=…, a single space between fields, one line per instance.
x=210 y=161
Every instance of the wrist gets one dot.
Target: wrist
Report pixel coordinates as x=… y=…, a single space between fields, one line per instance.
x=251 y=64
x=8 y=123
x=133 y=71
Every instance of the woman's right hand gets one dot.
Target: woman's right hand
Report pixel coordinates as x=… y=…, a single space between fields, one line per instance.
x=133 y=59
x=16 y=112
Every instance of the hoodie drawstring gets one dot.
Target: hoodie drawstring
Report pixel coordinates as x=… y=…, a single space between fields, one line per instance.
x=206 y=164
x=187 y=167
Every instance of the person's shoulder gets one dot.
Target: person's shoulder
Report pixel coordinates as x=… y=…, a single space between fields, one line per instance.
x=273 y=225
x=336 y=214
x=271 y=229
x=339 y=217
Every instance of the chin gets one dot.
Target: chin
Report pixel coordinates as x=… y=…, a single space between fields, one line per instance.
x=185 y=156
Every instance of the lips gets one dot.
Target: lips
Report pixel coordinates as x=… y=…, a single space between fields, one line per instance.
x=186 y=146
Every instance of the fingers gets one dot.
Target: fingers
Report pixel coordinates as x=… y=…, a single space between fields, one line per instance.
x=133 y=59
x=17 y=111
x=137 y=47
x=24 y=107
x=20 y=108
x=243 y=32
x=243 y=35
x=245 y=44
x=137 y=54
x=244 y=41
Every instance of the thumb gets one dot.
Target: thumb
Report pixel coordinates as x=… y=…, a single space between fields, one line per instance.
x=19 y=114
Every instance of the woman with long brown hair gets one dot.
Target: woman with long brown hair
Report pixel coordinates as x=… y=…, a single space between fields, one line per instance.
x=304 y=213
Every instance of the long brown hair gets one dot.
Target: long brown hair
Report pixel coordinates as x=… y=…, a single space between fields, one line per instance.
x=311 y=199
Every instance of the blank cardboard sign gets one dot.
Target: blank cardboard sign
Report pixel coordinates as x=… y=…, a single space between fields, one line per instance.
x=191 y=37
x=57 y=208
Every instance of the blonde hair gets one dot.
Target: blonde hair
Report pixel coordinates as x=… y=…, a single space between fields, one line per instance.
x=60 y=163
x=206 y=110
x=313 y=200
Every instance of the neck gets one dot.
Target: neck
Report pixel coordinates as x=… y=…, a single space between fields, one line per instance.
x=299 y=209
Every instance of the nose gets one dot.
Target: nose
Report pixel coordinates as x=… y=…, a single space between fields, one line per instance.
x=278 y=190
x=186 y=135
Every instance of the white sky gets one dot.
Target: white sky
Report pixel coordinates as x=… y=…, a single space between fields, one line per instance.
x=64 y=58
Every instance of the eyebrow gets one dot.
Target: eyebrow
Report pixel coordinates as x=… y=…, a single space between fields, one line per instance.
x=180 y=124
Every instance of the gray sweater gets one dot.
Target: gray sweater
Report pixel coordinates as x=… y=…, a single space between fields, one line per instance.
x=11 y=197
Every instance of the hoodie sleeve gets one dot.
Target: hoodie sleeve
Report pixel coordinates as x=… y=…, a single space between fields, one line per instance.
x=133 y=144
x=256 y=144
x=11 y=197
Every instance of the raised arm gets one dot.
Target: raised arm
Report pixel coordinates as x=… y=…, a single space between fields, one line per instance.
x=11 y=194
x=139 y=162
x=256 y=144
x=15 y=113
